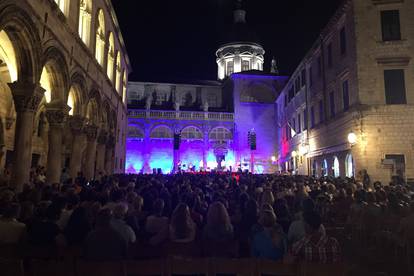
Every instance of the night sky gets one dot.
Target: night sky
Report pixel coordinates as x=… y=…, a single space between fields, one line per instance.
x=172 y=41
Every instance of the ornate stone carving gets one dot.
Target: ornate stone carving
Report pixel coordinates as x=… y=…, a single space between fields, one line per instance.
x=91 y=132
x=76 y=124
x=177 y=106
x=205 y=106
x=148 y=102
x=27 y=96
x=57 y=113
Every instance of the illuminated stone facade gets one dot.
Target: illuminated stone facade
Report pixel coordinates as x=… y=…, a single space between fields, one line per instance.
x=63 y=75
x=213 y=121
x=357 y=78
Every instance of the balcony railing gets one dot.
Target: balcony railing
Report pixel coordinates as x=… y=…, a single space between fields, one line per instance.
x=180 y=115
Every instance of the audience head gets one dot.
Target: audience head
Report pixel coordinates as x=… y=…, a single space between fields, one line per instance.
x=158 y=207
x=12 y=211
x=103 y=218
x=120 y=211
x=217 y=215
x=313 y=222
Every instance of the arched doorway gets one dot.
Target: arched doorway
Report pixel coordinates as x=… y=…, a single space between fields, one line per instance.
x=324 y=168
x=335 y=167
x=349 y=166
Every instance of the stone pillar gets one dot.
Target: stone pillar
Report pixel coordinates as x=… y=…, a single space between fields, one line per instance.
x=76 y=126
x=56 y=113
x=27 y=97
x=205 y=148
x=91 y=135
x=109 y=155
x=100 y=153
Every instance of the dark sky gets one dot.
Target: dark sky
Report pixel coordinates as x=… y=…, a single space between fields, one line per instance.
x=171 y=40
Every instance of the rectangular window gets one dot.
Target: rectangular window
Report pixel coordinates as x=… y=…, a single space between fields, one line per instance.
x=245 y=65
x=312 y=117
x=321 y=113
x=286 y=100
x=287 y=132
x=390 y=24
x=330 y=55
x=294 y=124
x=299 y=124
x=305 y=119
x=345 y=94
x=342 y=42
x=395 y=86
x=332 y=104
x=230 y=68
x=303 y=77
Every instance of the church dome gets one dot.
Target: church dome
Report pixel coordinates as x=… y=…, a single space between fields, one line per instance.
x=240 y=49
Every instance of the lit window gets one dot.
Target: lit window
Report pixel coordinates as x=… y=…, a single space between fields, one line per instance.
x=245 y=65
x=118 y=72
x=135 y=132
x=220 y=133
x=162 y=132
x=191 y=133
x=85 y=16
x=62 y=5
x=100 y=38
x=230 y=68
x=124 y=87
x=111 y=57
x=71 y=101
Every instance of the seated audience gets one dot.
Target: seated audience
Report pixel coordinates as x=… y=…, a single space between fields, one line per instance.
x=156 y=224
x=316 y=247
x=119 y=224
x=104 y=242
x=269 y=242
x=218 y=227
x=182 y=228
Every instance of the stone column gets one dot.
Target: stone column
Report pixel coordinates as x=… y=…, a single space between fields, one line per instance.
x=27 y=97
x=76 y=126
x=205 y=147
x=109 y=155
x=100 y=153
x=91 y=135
x=56 y=113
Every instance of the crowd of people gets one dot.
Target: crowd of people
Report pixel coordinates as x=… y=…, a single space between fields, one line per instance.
x=268 y=216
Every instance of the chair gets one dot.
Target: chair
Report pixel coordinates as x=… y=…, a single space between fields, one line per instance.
x=101 y=268
x=11 y=267
x=268 y=267
x=240 y=267
x=188 y=266
x=145 y=267
x=41 y=267
x=308 y=269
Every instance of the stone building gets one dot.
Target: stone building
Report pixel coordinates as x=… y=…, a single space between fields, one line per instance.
x=63 y=75
x=213 y=118
x=346 y=108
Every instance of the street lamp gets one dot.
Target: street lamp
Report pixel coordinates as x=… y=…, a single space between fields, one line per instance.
x=352 y=138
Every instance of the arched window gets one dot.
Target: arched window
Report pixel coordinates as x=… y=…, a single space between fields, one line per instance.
x=336 y=167
x=100 y=37
x=46 y=83
x=111 y=57
x=191 y=133
x=63 y=6
x=71 y=101
x=349 y=166
x=161 y=132
x=118 y=72
x=85 y=17
x=220 y=133
x=324 y=168
x=135 y=132
x=124 y=87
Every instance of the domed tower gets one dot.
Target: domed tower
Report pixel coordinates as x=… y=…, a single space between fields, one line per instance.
x=240 y=50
